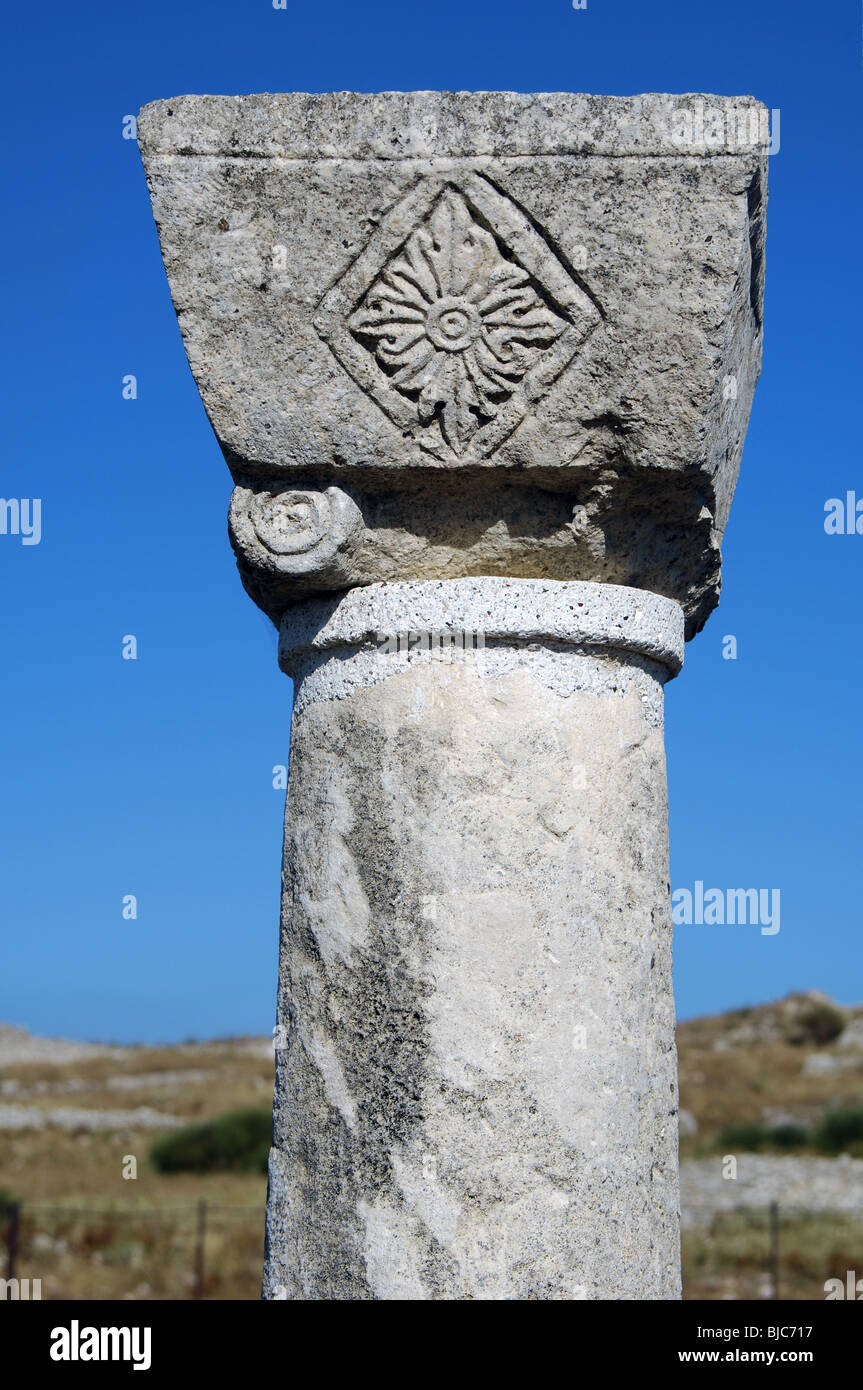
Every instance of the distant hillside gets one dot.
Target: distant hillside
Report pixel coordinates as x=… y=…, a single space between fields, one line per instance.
x=777 y=1065
x=782 y=1063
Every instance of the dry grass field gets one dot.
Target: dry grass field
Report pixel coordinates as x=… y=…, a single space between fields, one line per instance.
x=90 y=1232
x=71 y=1122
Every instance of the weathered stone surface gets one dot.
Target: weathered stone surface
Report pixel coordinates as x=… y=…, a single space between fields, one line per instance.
x=477 y=1097
x=520 y=332
x=481 y=366
x=288 y=540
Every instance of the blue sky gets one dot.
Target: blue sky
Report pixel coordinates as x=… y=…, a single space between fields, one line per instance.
x=153 y=777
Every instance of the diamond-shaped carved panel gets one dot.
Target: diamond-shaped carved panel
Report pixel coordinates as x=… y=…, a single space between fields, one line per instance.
x=453 y=323
x=459 y=326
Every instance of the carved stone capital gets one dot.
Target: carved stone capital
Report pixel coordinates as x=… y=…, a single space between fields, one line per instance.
x=520 y=332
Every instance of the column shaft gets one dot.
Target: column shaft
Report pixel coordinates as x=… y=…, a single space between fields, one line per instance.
x=477 y=1093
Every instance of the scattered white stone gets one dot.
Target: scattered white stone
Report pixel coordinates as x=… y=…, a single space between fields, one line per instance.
x=804 y=1184
x=20 y=1117
x=18 y=1045
x=852 y=1034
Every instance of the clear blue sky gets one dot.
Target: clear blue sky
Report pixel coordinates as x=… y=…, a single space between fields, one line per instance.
x=153 y=777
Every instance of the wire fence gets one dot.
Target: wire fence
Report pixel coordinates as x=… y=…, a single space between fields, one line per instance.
x=208 y=1251
x=777 y=1250
x=202 y=1251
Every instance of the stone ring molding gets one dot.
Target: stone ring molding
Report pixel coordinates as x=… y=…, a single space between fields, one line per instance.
x=607 y=617
x=560 y=632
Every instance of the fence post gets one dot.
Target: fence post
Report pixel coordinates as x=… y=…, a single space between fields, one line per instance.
x=774 y=1246
x=199 y=1250
x=12 y=1238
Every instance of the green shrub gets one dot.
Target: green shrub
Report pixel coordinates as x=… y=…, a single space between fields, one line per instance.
x=239 y=1141
x=840 y=1131
x=819 y=1024
x=788 y=1136
x=743 y=1134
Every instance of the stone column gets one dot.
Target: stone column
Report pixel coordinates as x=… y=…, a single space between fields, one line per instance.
x=481 y=365
x=478 y=1098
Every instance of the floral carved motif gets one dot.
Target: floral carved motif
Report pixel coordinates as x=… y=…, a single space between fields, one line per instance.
x=453 y=322
x=456 y=318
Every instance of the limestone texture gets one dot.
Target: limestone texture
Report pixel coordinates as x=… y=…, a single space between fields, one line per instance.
x=477 y=1093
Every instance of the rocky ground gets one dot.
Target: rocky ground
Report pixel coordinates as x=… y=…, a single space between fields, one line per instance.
x=796 y=1184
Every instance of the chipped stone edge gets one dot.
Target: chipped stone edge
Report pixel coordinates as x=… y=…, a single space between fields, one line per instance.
x=428 y=124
